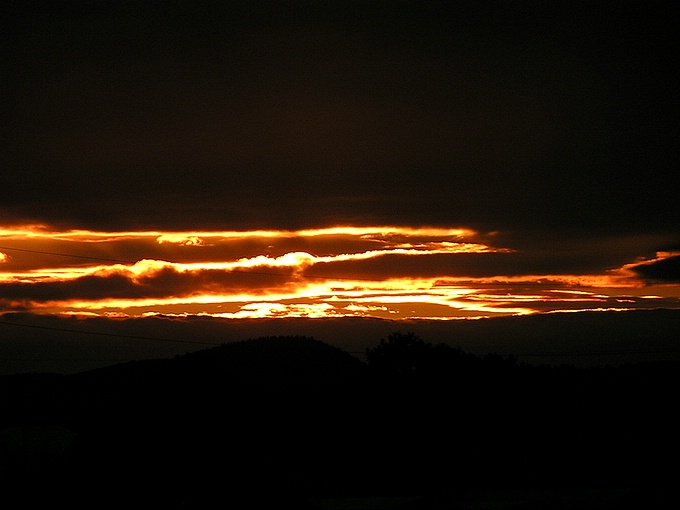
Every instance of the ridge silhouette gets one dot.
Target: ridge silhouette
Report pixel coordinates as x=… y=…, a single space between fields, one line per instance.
x=292 y=420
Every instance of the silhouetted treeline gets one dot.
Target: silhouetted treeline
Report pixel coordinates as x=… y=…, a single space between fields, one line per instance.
x=290 y=417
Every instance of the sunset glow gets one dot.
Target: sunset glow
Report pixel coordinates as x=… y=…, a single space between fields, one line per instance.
x=213 y=171
x=387 y=272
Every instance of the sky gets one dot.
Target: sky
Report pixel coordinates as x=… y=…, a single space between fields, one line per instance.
x=394 y=160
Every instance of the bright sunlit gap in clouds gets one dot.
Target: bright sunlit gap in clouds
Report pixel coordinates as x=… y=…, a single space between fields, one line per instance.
x=387 y=272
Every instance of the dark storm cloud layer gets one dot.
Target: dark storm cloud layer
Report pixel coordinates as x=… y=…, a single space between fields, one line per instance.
x=473 y=265
x=162 y=283
x=664 y=271
x=509 y=116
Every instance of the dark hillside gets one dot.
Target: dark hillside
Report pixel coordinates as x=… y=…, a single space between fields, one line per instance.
x=241 y=414
x=288 y=419
x=216 y=377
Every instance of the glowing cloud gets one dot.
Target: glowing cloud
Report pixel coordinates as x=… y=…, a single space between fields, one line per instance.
x=396 y=272
x=180 y=239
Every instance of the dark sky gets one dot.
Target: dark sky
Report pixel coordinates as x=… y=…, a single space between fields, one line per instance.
x=541 y=118
x=547 y=128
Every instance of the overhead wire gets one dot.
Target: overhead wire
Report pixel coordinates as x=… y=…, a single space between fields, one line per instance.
x=127 y=261
x=99 y=333
x=198 y=342
x=570 y=354
x=71 y=255
x=131 y=262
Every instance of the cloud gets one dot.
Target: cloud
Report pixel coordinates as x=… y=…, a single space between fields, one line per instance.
x=665 y=268
x=184 y=240
x=147 y=280
x=388 y=113
x=379 y=270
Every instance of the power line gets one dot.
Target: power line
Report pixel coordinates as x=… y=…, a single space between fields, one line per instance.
x=99 y=333
x=120 y=261
x=124 y=261
x=198 y=342
x=116 y=335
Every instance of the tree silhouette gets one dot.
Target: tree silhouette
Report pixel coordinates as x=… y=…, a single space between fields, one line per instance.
x=400 y=354
x=406 y=356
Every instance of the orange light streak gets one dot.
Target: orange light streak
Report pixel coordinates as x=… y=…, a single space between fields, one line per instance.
x=299 y=260
x=44 y=232
x=289 y=289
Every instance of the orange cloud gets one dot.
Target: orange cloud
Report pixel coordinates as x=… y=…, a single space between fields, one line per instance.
x=339 y=271
x=184 y=240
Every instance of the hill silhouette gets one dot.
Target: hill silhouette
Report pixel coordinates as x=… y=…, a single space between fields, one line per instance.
x=291 y=419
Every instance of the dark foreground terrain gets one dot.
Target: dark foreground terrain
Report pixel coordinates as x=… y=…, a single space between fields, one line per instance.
x=292 y=422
